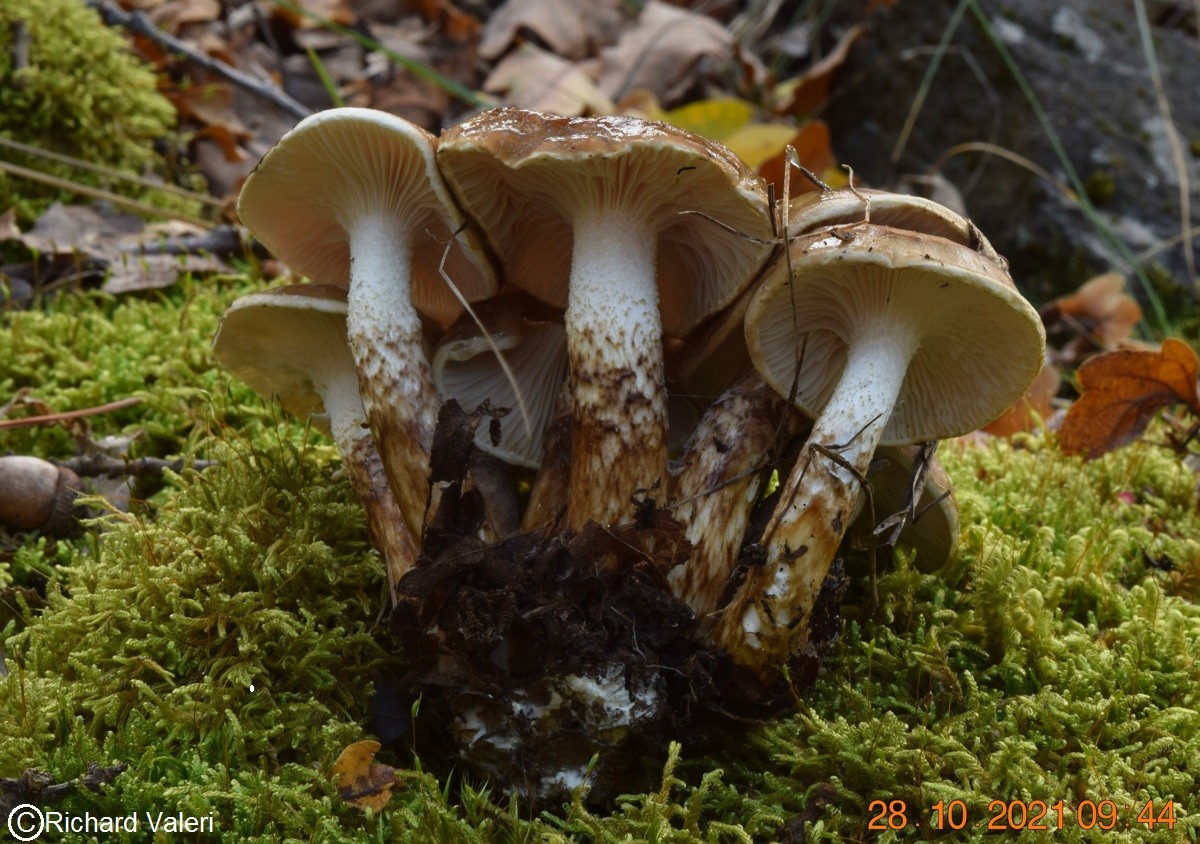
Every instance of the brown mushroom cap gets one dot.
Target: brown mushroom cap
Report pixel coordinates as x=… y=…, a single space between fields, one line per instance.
x=974 y=327
x=524 y=176
x=305 y=194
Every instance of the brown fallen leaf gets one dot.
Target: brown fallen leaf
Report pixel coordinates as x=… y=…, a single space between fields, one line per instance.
x=362 y=782
x=173 y=15
x=662 y=51
x=1099 y=315
x=458 y=25
x=569 y=28
x=1123 y=390
x=529 y=77
x=337 y=11
x=814 y=150
x=1032 y=409
x=804 y=94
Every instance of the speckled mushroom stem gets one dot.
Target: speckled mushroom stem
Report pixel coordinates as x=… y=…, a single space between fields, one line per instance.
x=552 y=484
x=388 y=530
x=721 y=473
x=614 y=348
x=393 y=370
x=768 y=618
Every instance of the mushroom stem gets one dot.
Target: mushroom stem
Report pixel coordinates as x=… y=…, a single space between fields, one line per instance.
x=614 y=345
x=394 y=378
x=364 y=467
x=720 y=474
x=768 y=618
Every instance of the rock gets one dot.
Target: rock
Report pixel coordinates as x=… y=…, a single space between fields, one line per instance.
x=1084 y=62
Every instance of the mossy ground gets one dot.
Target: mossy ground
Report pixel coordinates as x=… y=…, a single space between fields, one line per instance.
x=80 y=93
x=1051 y=661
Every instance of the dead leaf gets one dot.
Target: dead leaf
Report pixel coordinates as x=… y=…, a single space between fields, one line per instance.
x=173 y=15
x=1123 y=390
x=569 y=28
x=640 y=103
x=802 y=95
x=131 y=273
x=1032 y=409
x=531 y=78
x=362 y=782
x=8 y=225
x=760 y=142
x=716 y=119
x=661 y=52
x=337 y=11
x=210 y=105
x=1099 y=315
x=456 y=24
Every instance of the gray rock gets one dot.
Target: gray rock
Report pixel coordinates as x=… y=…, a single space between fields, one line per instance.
x=1084 y=62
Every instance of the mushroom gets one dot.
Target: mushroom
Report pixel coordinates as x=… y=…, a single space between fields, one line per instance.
x=929 y=525
x=717 y=483
x=885 y=336
x=353 y=197
x=290 y=345
x=466 y=368
x=585 y=212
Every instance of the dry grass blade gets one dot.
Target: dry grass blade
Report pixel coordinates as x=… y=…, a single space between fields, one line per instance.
x=99 y=193
x=462 y=300
x=1172 y=132
x=65 y=416
x=1007 y=155
x=112 y=173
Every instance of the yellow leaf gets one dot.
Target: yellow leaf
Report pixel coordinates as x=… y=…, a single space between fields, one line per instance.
x=361 y=781
x=759 y=142
x=716 y=119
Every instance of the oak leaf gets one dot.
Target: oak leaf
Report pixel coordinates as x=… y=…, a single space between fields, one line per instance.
x=362 y=782
x=1123 y=390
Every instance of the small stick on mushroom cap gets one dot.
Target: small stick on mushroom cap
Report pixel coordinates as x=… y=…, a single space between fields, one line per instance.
x=290 y=345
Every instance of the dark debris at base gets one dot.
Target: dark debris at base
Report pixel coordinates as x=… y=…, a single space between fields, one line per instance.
x=532 y=655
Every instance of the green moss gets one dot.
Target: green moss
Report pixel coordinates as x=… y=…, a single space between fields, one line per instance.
x=1049 y=661
x=83 y=350
x=81 y=94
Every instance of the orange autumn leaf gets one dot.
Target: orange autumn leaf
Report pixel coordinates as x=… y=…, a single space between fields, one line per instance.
x=1099 y=315
x=361 y=781
x=1123 y=390
x=1032 y=409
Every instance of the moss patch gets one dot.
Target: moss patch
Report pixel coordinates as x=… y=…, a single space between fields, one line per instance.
x=1055 y=659
x=81 y=93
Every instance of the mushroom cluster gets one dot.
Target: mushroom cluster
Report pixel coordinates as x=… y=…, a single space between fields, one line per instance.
x=563 y=360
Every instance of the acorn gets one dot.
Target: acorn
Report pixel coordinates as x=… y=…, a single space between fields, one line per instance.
x=37 y=495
